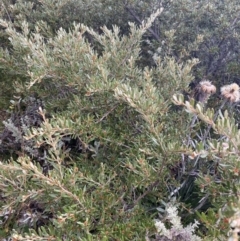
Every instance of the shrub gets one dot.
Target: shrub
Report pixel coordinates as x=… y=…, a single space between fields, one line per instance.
x=101 y=130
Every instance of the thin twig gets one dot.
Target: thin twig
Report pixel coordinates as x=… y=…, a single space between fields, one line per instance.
x=106 y=114
x=149 y=189
x=131 y=11
x=6 y=11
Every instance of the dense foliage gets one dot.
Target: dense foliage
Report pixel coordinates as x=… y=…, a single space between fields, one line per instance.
x=120 y=121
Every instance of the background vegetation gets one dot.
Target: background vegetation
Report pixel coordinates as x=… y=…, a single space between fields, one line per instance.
x=104 y=135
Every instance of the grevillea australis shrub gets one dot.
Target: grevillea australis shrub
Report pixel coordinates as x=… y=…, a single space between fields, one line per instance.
x=106 y=186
